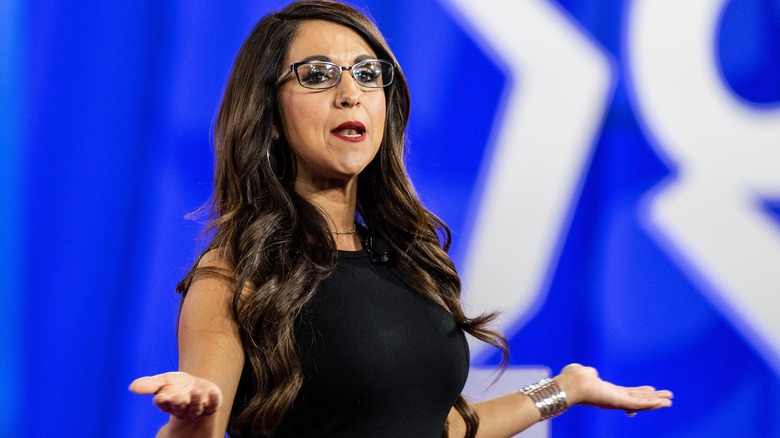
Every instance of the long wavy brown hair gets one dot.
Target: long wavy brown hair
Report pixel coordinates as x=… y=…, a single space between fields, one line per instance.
x=279 y=246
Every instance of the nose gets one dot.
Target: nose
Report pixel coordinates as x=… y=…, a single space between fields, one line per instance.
x=348 y=92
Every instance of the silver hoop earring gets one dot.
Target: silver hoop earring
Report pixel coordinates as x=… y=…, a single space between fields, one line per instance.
x=271 y=163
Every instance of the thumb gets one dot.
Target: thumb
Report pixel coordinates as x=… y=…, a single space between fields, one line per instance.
x=147 y=385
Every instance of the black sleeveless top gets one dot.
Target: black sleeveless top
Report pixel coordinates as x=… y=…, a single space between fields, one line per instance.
x=379 y=360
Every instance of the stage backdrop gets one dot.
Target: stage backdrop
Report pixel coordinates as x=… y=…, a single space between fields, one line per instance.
x=610 y=169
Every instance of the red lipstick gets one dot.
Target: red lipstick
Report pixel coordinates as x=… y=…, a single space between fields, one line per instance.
x=350 y=131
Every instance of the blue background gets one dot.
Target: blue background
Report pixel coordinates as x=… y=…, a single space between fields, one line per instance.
x=105 y=118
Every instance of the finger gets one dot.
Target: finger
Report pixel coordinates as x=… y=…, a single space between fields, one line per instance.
x=213 y=402
x=146 y=385
x=164 y=406
x=651 y=394
x=179 y=410
x=176 y=404
x=641 y=388
x=195 y=408
x=162 y=401
x=648 y=403
x=650 y=390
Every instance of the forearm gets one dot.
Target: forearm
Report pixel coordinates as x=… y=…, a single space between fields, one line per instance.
x=511 y=414
x=506 y=416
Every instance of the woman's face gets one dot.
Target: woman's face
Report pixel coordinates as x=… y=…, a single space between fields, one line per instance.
x=335 y=133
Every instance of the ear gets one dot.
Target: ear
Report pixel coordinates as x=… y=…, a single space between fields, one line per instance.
x=274 y=132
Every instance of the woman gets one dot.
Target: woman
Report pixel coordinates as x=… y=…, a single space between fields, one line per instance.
x=325 y=304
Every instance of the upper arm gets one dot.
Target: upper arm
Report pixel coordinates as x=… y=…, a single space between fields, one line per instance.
x=209 y=341
x=502 y=416
x=456 y=427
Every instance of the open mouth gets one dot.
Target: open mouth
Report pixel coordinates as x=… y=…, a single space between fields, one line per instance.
x=350 y=130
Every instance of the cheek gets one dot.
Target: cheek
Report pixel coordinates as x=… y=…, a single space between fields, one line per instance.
x=380 y=117
x=297 y=117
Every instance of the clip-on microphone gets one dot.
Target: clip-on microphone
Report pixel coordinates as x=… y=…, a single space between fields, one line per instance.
x=378 y=249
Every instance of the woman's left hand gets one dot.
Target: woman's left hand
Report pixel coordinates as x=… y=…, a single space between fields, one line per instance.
x=584 y=386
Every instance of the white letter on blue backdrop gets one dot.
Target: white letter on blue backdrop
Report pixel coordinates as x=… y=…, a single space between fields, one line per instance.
x=561 y=83
x=725 y=156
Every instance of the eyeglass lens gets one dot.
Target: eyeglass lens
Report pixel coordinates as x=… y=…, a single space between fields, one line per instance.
x=322 y=75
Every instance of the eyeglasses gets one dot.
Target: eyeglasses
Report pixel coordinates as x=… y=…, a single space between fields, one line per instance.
x=321 y=75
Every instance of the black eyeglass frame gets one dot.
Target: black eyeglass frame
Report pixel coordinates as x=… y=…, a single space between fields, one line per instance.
x=391 y=69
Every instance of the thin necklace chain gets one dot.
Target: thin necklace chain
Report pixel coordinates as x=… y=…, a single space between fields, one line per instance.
x=352 y=231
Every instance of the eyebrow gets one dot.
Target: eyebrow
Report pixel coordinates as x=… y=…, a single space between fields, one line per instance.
x=316 y=58
x=359 y=58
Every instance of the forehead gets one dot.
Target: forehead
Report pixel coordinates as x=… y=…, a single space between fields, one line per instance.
x=324 y=38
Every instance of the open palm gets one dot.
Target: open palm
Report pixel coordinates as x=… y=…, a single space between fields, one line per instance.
x=180 y=394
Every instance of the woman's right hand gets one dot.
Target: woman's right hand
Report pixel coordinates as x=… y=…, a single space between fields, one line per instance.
x=181 y=394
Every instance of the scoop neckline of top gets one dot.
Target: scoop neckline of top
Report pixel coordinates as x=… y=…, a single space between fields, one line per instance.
x=360 y=253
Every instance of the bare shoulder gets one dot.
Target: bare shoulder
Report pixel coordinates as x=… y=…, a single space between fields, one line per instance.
x=208 y=301
x=213 y=259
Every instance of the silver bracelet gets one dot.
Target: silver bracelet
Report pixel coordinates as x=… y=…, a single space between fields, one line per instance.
x=548 y=397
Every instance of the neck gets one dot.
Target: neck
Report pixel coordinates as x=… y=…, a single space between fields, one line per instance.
x=338 y=203
x=346 y=232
